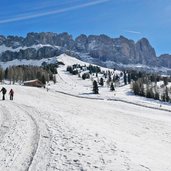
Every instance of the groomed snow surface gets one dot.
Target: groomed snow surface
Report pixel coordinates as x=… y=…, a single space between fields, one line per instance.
x=64 y=129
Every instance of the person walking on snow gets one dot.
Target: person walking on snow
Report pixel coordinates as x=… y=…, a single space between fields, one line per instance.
x=3 y=90
x=11 y=93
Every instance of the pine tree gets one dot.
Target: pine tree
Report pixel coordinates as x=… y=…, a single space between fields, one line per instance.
x=6 y=73
x=165 y=81
x=101 y=81
x=10 y=74
x=150 y=93
x=112 y=88
x=141 y=86
x=109 y=76
x=1 y=74
x=129 y=78
x=85 y=76
x=95 y=87
x=43 y=80
x=167 y=95
x=54 y=79
x=135 y=88
x=163 y=97
x=38 y=75
x=108 y=83
x=125 y=78
x=156 y=96
x=69 y=69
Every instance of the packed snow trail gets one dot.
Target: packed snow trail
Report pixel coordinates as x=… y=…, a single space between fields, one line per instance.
x=18 y=132
x=50 y=131
x=5 y=121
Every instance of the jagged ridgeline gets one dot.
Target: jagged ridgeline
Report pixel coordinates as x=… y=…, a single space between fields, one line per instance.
x=99 y=49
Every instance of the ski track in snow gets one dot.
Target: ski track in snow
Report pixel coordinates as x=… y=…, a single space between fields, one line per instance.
x=72 y=150
x=66 y=142
x=19 y=131
x=5 y=122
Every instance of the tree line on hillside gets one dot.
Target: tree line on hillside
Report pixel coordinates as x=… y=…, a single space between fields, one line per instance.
x=152 y=86
x=142 y=83
x=88 y=72
x=74 y=69
x=23 y=73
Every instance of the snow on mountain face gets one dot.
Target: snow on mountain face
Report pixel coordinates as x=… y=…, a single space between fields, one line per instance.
x=17 y=62
x=3 y=48
x=69 y=60
x=101 y=49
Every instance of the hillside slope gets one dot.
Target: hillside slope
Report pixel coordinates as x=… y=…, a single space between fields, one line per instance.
x=50 y=130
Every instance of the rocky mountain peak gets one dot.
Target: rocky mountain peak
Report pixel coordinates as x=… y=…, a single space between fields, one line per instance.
x=100 y=48
x=145 y=52
x=2 y=39
x=165 y=60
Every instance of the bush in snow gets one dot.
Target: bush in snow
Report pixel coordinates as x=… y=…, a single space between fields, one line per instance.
x=85 y=76
x=69 y=69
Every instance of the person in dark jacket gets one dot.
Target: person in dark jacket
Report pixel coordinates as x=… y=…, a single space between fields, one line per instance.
x=11 y=93
x=3 y=90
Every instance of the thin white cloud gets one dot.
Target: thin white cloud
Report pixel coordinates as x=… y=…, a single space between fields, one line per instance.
x=133 y=32
x=41 y=14
x=48 y=5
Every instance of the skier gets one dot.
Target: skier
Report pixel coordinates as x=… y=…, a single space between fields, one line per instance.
x=3 y=90
x=11 y=93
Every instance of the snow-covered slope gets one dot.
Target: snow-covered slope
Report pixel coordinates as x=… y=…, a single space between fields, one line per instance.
x=67 y=128
x=53 y=131
x=69 y=60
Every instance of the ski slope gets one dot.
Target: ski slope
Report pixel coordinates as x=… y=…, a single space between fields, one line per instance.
x=43 y=130
x=69 y=129
x=73 y=85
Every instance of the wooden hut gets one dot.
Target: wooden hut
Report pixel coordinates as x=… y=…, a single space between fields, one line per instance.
x=34 y=83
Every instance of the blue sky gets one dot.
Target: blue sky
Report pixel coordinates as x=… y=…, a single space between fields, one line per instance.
x=133 y=19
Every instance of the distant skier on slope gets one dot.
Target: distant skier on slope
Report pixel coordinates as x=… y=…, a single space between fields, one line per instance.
x=11 y=93
x=3 y=90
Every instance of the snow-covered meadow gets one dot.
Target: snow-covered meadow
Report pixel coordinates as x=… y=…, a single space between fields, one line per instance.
x=67 y=128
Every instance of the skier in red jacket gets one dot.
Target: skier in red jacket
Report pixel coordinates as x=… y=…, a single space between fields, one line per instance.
x=11 y=93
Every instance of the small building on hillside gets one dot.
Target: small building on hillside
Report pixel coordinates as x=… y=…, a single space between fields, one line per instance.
x=34 y=83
